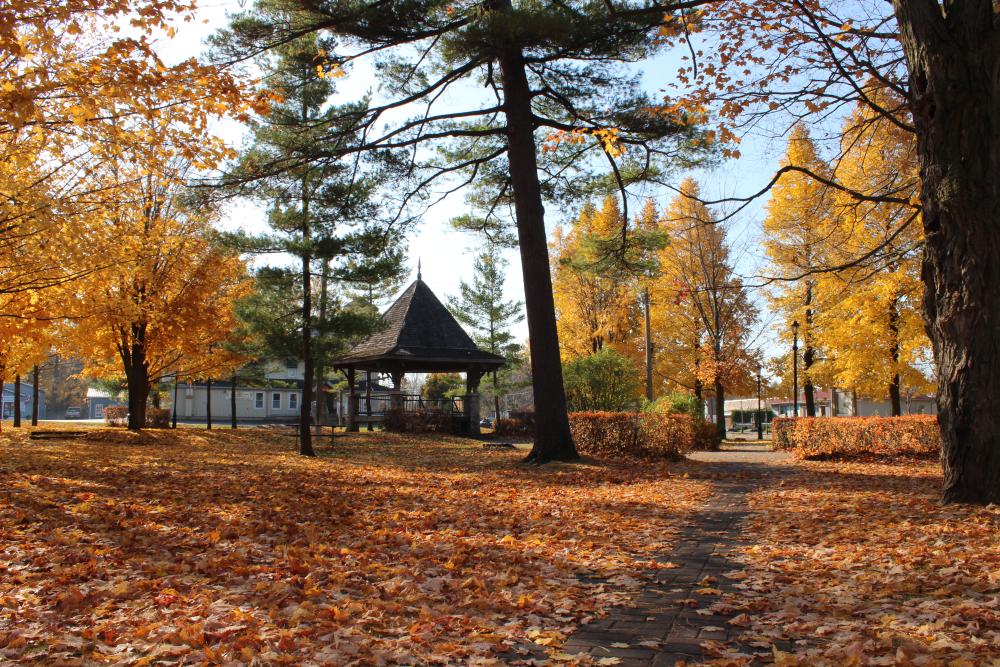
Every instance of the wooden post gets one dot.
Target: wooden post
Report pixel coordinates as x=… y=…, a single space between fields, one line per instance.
x=352 y=402
x=368 y=400
x=472 y=377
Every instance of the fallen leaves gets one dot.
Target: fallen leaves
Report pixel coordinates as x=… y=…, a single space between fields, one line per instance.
x=859 y=564
x=221 y=547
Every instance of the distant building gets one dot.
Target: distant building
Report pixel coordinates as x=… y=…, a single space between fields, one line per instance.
x=262 y=404
x=828 y=403
x=97 y=400
x=8 y=401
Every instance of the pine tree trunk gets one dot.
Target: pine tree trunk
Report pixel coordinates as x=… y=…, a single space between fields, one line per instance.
x=305 y=432
x=320 y=398
x=17 y=401
x=553 y=440
x=34 y=395
x=954 y=67
x=496 y=399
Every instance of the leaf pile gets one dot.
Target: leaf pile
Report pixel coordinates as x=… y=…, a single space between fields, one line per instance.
x=226 y=547
x=858 y=564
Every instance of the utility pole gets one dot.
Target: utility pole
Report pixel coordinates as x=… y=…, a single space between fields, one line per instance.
x=174 y=424
x=649 y=346
x=795 y=368
x=760 y=414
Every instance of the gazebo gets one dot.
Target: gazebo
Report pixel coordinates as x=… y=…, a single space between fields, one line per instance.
x=419 y=336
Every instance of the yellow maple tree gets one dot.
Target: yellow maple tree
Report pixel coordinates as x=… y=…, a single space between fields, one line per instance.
x=798 y=230
x=871 y=324
x=699 y=298
x=164 y=302
x=594 y=309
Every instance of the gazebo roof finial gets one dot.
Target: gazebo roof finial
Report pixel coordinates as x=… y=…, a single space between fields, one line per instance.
x=418 y=269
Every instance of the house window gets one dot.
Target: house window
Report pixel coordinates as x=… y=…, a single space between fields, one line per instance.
x=276 y=401
x=292 y=364
x=293 y=401
x=258 y=400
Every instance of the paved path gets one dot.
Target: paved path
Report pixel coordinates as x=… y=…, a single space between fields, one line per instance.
x=663 y=627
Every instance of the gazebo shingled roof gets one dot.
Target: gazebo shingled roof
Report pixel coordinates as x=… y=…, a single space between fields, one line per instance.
x=420 y=336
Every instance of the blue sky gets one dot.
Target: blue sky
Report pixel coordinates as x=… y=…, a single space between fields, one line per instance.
x=447 y=256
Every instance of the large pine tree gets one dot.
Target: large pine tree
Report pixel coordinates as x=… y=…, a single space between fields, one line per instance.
x=320 y=200
x=552 y=73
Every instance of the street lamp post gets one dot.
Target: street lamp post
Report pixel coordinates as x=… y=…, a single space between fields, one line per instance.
x=760 y=415
x=795 y=368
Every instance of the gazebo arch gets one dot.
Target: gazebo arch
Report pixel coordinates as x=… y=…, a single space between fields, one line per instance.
x=420 y=336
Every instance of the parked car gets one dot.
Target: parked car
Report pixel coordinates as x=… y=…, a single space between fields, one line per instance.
x=73 y=412
x=485 y=422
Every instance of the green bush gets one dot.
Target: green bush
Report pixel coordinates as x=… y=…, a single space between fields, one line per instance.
x=604 y=381
x=677 y=403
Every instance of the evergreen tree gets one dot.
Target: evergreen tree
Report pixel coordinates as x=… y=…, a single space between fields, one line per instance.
x=560 y=68
x=481 y=307
x=321 y=202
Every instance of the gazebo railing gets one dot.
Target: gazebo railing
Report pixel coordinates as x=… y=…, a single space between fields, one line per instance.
x=374 y=408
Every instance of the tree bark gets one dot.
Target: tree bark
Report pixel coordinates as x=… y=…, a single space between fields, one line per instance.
x=320 y=398
x=720 y=409
x=553 y=440
x=34 y=395
x=895 y=405
x=954 y=68
x=305 y=406
x=17 y=401
x=808 y=356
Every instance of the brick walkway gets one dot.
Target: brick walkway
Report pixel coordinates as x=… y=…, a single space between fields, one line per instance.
x=670 y=620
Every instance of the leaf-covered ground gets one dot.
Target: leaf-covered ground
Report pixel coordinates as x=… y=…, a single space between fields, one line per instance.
x=189 y=547
x=859 y=564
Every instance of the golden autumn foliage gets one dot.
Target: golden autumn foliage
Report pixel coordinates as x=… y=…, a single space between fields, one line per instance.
x=224 y=547
x=871 y=324
x=164 y=300
x=699 y=298
x=861 y=316
x=594 y=309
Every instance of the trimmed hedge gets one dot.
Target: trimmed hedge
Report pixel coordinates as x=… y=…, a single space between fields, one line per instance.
x=858 y=437
x=512 y=427
x=706 y=436
x=632 y=434
x=116 y=415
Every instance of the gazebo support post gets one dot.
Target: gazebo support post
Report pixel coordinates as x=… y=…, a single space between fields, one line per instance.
x=352 y=402
x=472 y=377
x=368 y=400
x=396 y=397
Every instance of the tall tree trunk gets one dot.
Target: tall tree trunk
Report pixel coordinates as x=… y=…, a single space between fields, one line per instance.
x=649 y=345
x=34 y=395
x=720 y=409
x=954 y=67
x=232 y=403
x=895 y=405
x=208 y=404
x=496 y=399
x=808 y=356
x=553 y=440
x=305 y=406
x=320 y=397
x=2 y=415
x=137 y=385
x=17 y=401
